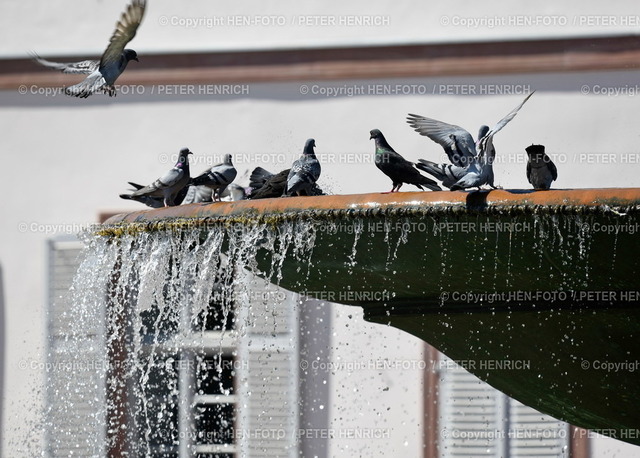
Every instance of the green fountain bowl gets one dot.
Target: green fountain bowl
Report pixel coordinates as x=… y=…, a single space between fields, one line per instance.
x=535 y=293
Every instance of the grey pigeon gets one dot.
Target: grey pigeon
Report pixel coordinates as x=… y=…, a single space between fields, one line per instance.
x=265 y=185
x=150 y=201
x=188 y=195
x=472 y=162
x=104 y=73
x=396 y=167
x=168 y=186
x=218 y=177
x=233 y=193
x=196 y=195
x=540 y=170
x=304 y=172
x=449 y=174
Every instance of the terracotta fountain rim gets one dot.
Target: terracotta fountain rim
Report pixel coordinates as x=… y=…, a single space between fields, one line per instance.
x=499 y=199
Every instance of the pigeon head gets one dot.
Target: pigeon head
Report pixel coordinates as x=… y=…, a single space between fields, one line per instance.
x=484 y=130
x=183 y=159
x=375 y=133
x=130 y=54
x=227 y=159
x=535 y=150
x=308 y=146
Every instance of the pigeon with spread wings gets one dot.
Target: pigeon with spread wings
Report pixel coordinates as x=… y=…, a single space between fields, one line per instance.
x=104 y=73
x=472 y=162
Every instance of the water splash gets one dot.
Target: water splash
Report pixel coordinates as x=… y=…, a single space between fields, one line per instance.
x=158 y=301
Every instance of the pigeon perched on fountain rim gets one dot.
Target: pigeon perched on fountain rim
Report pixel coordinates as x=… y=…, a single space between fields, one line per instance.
x=218 y=177
x=169 y=185
x=472 y=162
x=104 y=73
x=396 y=167
x=304 y=172
x=266 y=185
x=541 y=171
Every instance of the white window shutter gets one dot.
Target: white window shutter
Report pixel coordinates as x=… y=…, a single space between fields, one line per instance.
x=269 y=391
x=470 y=414
x=535 y=434
x=477 y=420
x=75 y=405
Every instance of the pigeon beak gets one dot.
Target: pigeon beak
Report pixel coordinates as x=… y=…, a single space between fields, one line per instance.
x=370 y=136
x=136 y=59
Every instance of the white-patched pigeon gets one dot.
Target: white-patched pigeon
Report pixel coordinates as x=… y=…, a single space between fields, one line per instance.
x=104 y=73
x=540 y=170
x=396 y=167
x=233 y=193
x=218 y=177
x=304 y=172
x=472 y=163
x=168 y=186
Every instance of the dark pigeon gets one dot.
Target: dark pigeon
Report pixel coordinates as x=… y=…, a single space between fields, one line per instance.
x=218 y=177
x=260 y=176
x=168 y=186
x=304 y=172
x=104 y=73
x=398 y=168
x=265 y=185
x=541 y=171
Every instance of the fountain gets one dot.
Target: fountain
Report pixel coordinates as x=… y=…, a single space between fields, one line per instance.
x=545 y=281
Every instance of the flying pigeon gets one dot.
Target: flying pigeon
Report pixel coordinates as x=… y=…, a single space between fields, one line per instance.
x=304 y=172
x=265 y=185
x=168 y=186
x=396 y=167
x=104 y=73
x=218 y=177
x=472 y=162
x=540 y=170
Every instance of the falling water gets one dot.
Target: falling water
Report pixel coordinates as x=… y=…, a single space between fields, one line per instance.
x=176 y=310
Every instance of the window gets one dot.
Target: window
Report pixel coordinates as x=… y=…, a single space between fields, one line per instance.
x=475 y=419
x=181 y=379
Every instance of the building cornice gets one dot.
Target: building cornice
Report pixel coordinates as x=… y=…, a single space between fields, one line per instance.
x=407 y=61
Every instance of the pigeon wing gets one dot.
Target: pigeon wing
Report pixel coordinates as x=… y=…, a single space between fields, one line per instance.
x=440 y=132
x=259 y=177
x=169 y=179
x=84 y=67
x=125 y=31
x=504 y=121
x=92 y=83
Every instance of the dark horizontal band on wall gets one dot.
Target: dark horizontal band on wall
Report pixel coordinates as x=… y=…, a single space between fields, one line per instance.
x=433 y=60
